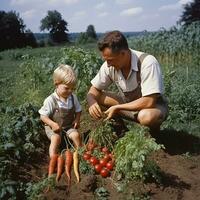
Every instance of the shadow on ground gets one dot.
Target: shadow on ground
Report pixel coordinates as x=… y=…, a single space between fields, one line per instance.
x=179 y=142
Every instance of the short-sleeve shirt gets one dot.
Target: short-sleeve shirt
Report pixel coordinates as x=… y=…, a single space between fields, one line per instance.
x=48 y=106
x=150 y=73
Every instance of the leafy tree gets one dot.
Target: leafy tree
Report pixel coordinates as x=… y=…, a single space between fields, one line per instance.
x=91 y=32
x=12 y=31
x=88 y=36
x=191 y=12
x=54 y=23
x=30 y=39
x=82 y=38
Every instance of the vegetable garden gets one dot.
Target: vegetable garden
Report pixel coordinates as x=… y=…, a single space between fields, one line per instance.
x=135 y=166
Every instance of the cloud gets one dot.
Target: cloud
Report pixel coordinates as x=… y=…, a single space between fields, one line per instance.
x=122 y=2
x=174 y=6
x=149 y=17
x=79 y=15
x=18 y=2
x=29 y=14
x=70 y=1
x=182 y=2
x=169 y=7
x=60 y=2
x=131 y=11
x=103 y=14
x=100 y=5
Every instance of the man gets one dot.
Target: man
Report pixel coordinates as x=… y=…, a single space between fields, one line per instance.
x=138 y=78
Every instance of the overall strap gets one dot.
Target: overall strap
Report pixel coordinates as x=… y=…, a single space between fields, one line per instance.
x=118 y=87
x=54 y=101
x=138 y=75
x=139 y=64
x=56 y=110
x=73 y=104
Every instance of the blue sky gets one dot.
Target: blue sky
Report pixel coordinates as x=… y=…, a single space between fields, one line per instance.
x=105 y=15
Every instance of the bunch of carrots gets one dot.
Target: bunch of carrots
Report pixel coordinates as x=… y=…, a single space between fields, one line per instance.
x=64 y=163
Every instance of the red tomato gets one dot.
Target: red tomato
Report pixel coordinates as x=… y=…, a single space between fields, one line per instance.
x=107 y=157
x=98 y=168
x=105 y=150
x=86 y=156
x=94 y=161
x=109 y=165
x=111 y=155
x=103 y=162
x=104 y=172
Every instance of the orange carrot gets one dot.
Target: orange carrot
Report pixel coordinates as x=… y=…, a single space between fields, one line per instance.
x=68 y=164
x=76 y=165
x=52 y=164
x=60 y=166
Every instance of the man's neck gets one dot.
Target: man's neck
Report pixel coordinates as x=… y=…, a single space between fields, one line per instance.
x=127 y=66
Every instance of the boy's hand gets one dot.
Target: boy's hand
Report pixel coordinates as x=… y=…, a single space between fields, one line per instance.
x=55 y=127
x=76 y=123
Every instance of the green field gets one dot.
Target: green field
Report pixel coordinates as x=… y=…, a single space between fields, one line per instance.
x=26 y=79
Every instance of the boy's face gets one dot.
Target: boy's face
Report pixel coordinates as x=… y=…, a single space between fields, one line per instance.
x=64 y=90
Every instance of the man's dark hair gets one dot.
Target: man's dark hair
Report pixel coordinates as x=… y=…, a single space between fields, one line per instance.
x=114 y=40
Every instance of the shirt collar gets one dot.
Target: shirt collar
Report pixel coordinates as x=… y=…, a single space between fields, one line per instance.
x=57 y=97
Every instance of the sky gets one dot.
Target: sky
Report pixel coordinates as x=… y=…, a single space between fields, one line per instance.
x=104 y=15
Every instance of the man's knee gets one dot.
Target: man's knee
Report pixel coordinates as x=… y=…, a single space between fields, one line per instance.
x=149 y=118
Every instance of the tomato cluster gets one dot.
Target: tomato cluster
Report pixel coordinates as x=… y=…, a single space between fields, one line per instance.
x=103 y=165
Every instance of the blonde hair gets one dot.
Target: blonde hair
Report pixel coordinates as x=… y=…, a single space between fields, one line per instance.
x=64 y=74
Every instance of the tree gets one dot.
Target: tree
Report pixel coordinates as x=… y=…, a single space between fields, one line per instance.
x=12 y=31
x=54 y=23
x=30 y=39
x=191 y=13
x=91 y=33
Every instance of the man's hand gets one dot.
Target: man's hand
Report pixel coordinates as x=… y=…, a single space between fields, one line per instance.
x=95 y=111
x=55 y=127
x=111 y=112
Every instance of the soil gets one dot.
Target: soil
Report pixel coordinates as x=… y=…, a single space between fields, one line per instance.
x=179 y=163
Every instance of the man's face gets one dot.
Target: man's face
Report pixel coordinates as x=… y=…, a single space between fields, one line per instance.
x=116 y=60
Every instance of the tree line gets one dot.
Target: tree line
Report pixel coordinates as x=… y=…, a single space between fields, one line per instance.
x=13 y=32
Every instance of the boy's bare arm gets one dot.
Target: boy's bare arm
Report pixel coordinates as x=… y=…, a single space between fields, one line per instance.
x=76 y=122
x=54 y=126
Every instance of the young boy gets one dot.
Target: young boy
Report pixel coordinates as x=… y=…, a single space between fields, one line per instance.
x=61 y=110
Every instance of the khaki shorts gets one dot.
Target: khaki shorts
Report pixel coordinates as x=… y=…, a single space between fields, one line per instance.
x=50 y=132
